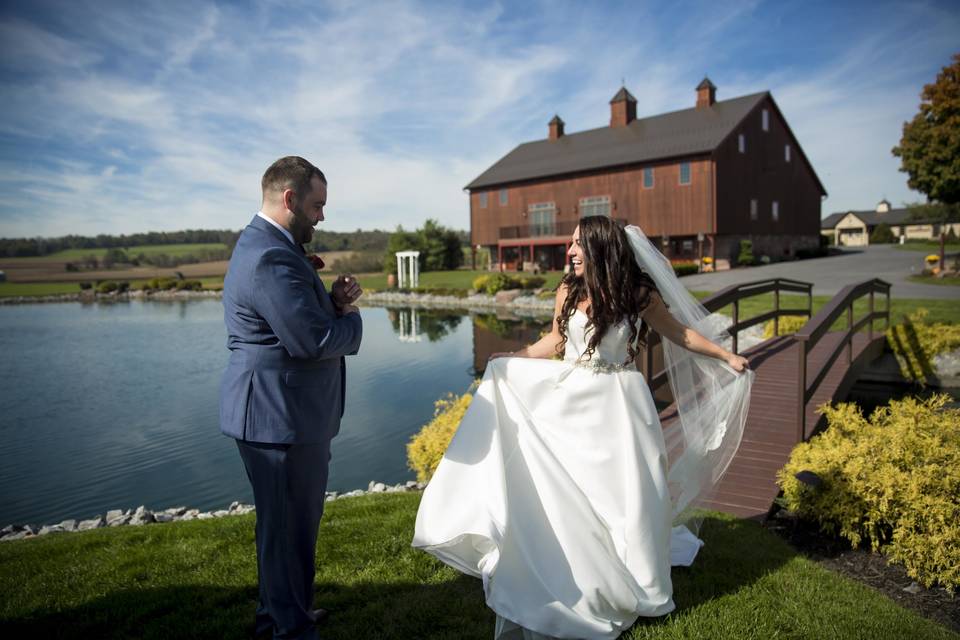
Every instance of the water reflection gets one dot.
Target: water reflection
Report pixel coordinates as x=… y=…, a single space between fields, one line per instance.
x=412 y=325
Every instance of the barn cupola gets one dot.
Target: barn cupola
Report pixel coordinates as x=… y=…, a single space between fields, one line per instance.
x=706 y=93
x=556 y=128
x=623 y=108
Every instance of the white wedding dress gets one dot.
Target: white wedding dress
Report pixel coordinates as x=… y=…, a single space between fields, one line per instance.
x=554 y=492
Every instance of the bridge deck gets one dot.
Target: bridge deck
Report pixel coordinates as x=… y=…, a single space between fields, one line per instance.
x=749 y=486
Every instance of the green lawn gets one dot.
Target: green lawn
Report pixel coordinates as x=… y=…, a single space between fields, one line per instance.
x=198 y=580
x=943 y=282
x=459 y=279
x=929 y=246
x=13 y=289
x=149 y=250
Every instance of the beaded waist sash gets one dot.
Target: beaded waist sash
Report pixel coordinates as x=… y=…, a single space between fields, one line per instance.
x=599 y=365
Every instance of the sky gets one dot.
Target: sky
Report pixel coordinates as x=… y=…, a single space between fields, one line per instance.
x=157 y=116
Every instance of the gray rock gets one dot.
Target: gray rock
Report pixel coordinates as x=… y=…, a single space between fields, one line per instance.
x=93 y=523
x=219 y=513
x=233 y=506
x=15 y=535
x=507 y=296
x=114 y=514
x=162 y=517
x=175 y=511
x=7 y=529
x=69 y=525
x=119 y=522
x=142 y=516
x=31 y=529
x=913 y=588
x=353 y=494
x=413 y=484
x=377 y=487
x=332 y=494
x=244 y=509
x=193 y=513
x=50 y=528
x=204 y=516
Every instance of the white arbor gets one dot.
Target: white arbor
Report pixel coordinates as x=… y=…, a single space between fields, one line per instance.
x=408 y=269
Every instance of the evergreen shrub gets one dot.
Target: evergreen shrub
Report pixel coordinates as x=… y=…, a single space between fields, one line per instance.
x=892 y=482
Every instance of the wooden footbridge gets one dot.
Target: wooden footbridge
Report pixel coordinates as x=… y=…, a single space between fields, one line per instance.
x=796 y=373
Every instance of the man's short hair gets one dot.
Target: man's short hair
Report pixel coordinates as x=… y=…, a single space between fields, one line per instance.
x=290 y=172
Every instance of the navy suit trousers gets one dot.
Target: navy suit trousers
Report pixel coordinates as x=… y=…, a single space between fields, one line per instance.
x=289 y=487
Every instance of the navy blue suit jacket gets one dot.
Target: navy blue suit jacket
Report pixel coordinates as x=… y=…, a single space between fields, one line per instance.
x=284 y=382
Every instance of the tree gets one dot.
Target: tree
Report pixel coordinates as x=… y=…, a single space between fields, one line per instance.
x=882 y=234
x=439 y=247
x=929 y=150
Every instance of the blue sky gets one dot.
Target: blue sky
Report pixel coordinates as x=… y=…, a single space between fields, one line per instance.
x=124 y=117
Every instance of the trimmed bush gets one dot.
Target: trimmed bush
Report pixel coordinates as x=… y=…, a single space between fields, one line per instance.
x=685 y=268
x=882 y=234
x=84 y=286
x=480 y=283
x=788 y=324
x=915 y=342
x=529 y=283
x=426 y=449
x=188 y=285
x=107 y=286
x=891 y=481
x=745 y=257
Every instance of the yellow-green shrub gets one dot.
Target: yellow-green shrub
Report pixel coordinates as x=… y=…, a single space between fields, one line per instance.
x=425 y=450
x=788 y=324
x=892 y=481
x=915 y=342
x=480 y=283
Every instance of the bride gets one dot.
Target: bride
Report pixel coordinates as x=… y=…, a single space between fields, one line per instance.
x=560 y=489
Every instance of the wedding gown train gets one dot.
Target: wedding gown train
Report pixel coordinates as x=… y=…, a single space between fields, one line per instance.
x=554 y=492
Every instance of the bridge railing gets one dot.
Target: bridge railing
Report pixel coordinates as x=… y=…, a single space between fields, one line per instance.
x=810 y=334
x=734 y=294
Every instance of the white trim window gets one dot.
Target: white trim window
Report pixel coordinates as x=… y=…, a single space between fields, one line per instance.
x=775 y=211
x=742 y=143
x=753 y=209
x=595 y=206
x=765 y=118
x=503 y=197
x=483 y=199
x=684 y=173
x=543 y=219
x=648 y=177
x=786 y=153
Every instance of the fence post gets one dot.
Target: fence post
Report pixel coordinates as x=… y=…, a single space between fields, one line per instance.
x=850 y=335
x=736 y=321
x=776 y=308
x=870 y=334
x=801 y=389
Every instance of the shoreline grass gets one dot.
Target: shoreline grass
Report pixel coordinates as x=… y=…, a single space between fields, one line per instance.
x=38 y=289
x=198 y=579
x=172 y=250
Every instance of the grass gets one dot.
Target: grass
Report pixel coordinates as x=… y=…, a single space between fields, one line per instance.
x=13 y=289
x=172 y=250
x=944 y=282
x=940 y=310
x=459 y=279
x=930 y=246
x=199 y=579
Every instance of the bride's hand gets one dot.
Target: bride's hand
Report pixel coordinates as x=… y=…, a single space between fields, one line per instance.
x=739 y=363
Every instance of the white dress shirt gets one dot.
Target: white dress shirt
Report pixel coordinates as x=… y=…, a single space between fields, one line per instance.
x=286 y=233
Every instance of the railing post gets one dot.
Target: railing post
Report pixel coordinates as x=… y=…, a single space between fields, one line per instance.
x=849 y=335
x=736 y=321
x=887 y=325
x=870 y=334
x=801 y=389
x=776 y=308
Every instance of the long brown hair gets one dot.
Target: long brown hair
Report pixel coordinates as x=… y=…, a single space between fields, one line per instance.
x=618 y=289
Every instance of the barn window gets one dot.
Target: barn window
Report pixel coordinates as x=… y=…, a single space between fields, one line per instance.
x=786 y=153
x=742 y=143
x=542 y=219
x=648 y=178
x=684 y=173
x=766 y=120
x=595 y=206
x=753 y=209
x=503 y=197
x=483 y=199
x=775 y=210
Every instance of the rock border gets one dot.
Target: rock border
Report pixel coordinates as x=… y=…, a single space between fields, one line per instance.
x=142 y=516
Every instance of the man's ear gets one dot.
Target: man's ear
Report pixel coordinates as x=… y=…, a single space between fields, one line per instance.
x=289 y=199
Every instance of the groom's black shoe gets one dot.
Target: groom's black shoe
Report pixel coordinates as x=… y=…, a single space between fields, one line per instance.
x=319 y=615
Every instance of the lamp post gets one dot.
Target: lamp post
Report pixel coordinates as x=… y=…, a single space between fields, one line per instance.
x=699 y=251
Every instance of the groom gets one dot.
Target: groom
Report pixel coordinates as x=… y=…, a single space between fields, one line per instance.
x=282 y=393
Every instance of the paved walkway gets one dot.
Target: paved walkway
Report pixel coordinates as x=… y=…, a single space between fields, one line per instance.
x=831 y=274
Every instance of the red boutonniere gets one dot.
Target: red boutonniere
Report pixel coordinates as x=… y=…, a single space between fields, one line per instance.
x=316 y=261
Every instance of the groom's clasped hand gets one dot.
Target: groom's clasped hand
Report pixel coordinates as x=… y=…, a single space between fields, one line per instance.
x=345 y=290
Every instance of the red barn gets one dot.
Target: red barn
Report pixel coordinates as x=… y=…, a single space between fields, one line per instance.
x=697 y=181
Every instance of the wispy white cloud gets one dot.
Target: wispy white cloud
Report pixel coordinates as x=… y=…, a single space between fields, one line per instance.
x=163 y=116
